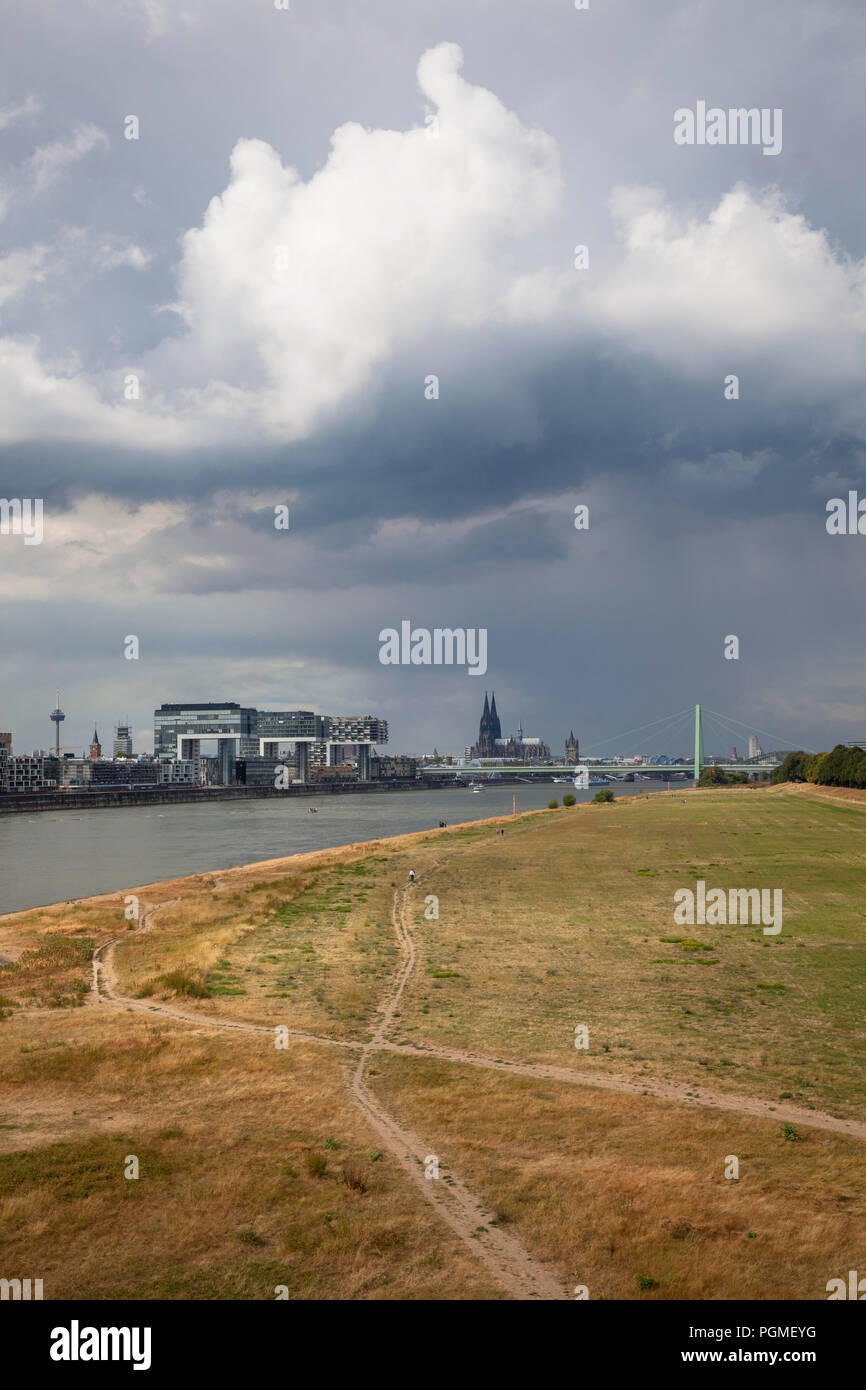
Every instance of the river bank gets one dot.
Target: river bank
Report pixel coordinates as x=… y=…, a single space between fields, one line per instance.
x=57 y=856
x=78 y=800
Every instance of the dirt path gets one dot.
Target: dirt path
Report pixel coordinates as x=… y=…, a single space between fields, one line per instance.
x=503 y=1254
x=681 y=1092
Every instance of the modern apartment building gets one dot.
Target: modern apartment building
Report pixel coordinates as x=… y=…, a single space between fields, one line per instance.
x=124 y=772
x=393 y=766
x=179 y=772
x=32 y=773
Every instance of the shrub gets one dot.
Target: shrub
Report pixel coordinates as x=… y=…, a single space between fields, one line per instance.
x=569 y=799
x=181 y=981
x=603 y=798
x=552 y=805
x=353 y=1177
x=316 y=1165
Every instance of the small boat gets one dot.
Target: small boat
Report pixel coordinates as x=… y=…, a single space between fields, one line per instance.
x=313 y=810
x=477 y=789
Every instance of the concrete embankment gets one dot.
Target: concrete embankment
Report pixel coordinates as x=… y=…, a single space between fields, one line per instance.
x=172 y=796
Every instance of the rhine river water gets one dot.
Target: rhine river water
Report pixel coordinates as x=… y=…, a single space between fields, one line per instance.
x=50 y=856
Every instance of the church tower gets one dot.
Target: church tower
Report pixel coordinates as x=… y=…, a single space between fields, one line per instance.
x=96 y=746
x=487 y=730
x=494 y=719
x=572 y=748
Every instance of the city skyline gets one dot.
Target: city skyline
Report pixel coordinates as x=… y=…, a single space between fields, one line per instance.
x=120 y=735
x=432 y=397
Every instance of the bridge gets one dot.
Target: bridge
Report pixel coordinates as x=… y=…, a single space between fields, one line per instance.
x=618 y=769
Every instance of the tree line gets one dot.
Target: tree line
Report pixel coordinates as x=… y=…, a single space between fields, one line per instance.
x=843 y=767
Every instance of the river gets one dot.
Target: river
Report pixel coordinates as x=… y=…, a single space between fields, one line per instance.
x=50 y=856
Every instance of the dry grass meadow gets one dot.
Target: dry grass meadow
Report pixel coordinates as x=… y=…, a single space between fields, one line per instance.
x=257 y=1167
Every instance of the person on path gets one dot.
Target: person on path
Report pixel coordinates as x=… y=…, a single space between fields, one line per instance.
x=411 y=875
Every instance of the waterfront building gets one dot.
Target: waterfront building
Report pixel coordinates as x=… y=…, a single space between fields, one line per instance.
x=261 y=770
x=32 y=773
x=5 y=755
x=123 y=772
x=393 y=766
x=335 y=772
x=95 y=745
x=74 y=772
x=179 y=772
x=243 y=734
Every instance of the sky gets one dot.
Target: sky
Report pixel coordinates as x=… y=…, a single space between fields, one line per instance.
x=236 y=244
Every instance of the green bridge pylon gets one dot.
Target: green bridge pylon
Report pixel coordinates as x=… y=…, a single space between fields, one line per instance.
x=699 y=745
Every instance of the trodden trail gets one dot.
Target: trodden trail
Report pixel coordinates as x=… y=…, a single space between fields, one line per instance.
x=503 y=1254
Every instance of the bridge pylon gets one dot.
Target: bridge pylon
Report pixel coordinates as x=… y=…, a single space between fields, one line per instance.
x=699 y=745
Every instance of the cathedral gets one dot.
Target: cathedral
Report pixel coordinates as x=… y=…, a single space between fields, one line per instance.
x=491 y=744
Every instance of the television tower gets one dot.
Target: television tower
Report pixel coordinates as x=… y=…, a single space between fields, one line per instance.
x=57 y=717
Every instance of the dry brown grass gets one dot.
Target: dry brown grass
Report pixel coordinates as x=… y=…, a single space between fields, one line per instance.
x=224 y=1206
x=555 y=924
x=611 y=1187
x=563 y=922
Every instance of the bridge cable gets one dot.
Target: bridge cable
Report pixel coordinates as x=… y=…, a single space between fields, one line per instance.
x=664 y=720
x=753 y=728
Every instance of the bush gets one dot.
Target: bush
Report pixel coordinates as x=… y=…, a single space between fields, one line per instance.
x=354 y=1177
x=603 y=798
x=552 y=805
x=316 y=1165
x=716 y=777
x=569 y=799
x=181 y=981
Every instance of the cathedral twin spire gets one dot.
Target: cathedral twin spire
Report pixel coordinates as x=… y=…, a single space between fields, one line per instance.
x=490 y=729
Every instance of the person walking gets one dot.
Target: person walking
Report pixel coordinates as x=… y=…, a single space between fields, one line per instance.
x=411 y=875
